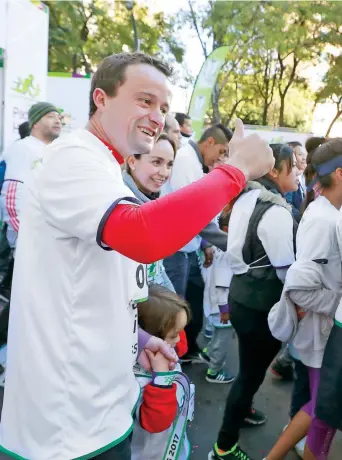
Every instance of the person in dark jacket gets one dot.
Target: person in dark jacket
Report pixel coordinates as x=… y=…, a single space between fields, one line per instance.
x=297 y=197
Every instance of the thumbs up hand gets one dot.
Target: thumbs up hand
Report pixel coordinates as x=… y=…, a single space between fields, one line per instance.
x=251 y=154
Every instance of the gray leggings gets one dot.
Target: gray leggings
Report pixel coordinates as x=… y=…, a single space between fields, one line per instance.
x=218 y=347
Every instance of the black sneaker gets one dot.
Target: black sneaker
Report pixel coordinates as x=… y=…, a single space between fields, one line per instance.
x=192 y=358
x=255 y=418
x=236 y=453
x=282 y=371
x=219 y=377
x=203 y=356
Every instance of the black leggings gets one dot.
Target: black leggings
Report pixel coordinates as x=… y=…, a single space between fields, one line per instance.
x=121 y=451
x=257 y=349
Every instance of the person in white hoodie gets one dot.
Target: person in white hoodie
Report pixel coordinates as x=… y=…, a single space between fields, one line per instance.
x=329 y=401
x=311 y=296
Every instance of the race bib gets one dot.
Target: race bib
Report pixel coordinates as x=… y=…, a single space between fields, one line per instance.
x=154 y=271
x=139 y=294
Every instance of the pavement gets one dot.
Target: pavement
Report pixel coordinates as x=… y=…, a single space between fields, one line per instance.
x=273 y=398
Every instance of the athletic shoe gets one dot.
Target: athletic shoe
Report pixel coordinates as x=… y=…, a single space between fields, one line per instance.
x=208 y=333
x=281 y=371
x=255 y=418
x=204 y=357
x=299 y=448
x=236 y=453
x=219 y=377
x=193 y=358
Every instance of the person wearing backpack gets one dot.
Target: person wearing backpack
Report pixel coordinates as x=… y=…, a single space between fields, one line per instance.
x=260 y=218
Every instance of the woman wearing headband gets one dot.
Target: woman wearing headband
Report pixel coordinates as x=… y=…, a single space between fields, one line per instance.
x=312 y=294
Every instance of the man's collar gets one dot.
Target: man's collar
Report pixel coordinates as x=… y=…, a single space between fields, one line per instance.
x=119 y=158
x=194 y=145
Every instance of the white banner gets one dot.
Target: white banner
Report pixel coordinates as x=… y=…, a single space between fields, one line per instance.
x=26 y=62
x=71 y=97
x=3 y=23
x=277 y=135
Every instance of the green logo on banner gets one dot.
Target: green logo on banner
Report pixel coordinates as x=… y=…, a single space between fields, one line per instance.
x=26 y=86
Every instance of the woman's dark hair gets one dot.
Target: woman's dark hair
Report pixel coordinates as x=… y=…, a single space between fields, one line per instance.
x=311 y=145
x=162 y=137
x=181 y=117
x=320 y=150
x=224 y=219
x=282 y=152
x=158 y=314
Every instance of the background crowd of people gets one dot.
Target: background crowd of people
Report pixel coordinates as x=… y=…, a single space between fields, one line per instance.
x=131 y=224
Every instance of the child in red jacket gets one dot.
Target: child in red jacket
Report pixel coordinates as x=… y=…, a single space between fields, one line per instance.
x=166 y=402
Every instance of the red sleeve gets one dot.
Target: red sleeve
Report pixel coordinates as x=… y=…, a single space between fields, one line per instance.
x=182 y=345
x=158 y=409
x=159 y=228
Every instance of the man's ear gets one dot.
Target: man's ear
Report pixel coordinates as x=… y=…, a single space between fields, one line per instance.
x=211 y=141
x=338 y=173
x=99 y=98
x=274 y=173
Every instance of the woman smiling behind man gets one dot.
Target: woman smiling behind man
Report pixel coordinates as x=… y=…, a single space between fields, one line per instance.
x=145 y=175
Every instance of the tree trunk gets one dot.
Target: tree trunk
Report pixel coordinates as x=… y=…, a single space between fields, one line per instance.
x=264 y=114
x=215 y=105
x=336 y=117
x=282 y=110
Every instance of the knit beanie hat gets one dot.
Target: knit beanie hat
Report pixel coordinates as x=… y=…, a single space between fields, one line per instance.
x=37 y=112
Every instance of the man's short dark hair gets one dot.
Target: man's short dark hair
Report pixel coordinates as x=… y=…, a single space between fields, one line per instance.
x=24 y=130
x=294 y=144
x=219 y=132
x=181 y=117
x=110 y=74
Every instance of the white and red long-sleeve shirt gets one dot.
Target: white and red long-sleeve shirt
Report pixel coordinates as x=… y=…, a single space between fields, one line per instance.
x=78 y=277
x=20 y=158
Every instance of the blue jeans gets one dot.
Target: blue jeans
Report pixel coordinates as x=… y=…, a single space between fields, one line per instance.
x=185 y=274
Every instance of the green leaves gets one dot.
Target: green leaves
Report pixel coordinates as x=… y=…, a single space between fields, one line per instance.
x=271 y=43
x=82 y=33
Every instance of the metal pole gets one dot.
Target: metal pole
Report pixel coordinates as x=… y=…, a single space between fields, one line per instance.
x=129 y=5
x=135 y=32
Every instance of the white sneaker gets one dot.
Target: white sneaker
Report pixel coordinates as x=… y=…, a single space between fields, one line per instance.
x=299 y=449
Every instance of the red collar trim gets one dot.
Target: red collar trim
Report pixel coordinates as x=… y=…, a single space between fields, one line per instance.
x=119 y=158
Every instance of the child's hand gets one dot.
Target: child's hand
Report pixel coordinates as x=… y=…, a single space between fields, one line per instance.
x=300 y=312
x=158 y=361
x=209 y=257
x=224 y=318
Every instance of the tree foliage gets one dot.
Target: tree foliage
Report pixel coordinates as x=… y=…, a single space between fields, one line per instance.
x=270 y=44
x=332 y=89
x=83 y=32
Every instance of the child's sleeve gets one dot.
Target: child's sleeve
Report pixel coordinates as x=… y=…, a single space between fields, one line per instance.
x=222 y=277
x=182 y=345
x=159 y=405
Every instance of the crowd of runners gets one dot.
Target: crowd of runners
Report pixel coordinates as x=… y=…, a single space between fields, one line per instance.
x=128 y=238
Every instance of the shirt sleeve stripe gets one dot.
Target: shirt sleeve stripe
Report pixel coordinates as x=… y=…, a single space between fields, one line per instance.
x=103 y=221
